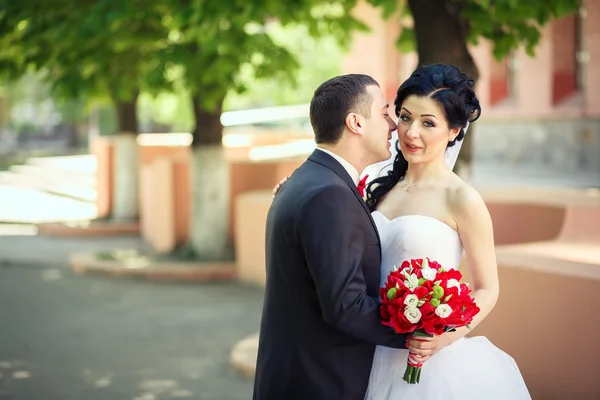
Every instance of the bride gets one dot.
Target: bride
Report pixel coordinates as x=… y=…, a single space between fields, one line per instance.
x=422 y=209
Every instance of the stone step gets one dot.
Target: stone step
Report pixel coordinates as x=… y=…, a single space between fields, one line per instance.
x=51 y=175
x=132 y=263
x=243 y=355
x=61 y=187
x=85 y=163
x=21 y=204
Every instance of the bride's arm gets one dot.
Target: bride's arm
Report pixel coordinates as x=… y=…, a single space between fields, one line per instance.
x=475 y=229
x=476 y=233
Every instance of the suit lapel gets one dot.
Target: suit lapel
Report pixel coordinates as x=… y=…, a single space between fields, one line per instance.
x=326 y=160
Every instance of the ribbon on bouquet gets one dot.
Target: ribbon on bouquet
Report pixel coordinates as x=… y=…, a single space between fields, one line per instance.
x=412 y=362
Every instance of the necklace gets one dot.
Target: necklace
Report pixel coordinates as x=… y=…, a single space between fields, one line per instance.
x=408 y=185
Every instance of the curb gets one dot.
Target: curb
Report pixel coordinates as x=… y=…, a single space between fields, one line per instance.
x=91 y=229
x=88 y=263
x=243 y=355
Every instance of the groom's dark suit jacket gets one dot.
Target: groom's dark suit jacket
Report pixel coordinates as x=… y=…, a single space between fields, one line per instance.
x=320 y=321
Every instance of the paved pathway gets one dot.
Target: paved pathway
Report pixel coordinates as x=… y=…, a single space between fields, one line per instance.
x=64 y=337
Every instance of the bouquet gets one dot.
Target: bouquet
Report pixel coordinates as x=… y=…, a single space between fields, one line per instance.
x=424 y=299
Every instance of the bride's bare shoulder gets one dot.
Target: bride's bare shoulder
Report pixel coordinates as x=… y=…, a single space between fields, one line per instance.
x=465 y=202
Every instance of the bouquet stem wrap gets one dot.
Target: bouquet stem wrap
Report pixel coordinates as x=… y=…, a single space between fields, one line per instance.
x=412 y=374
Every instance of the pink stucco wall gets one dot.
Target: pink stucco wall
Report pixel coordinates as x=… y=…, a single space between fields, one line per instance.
x=535 y=78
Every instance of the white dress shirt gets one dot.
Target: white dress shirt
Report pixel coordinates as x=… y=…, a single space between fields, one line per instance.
x=347 y=166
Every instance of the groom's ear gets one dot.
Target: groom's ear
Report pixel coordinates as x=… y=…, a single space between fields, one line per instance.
x=354 y=123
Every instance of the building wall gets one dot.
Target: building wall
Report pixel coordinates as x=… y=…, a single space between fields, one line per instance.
x=373 y=53
x=591 y=42
x=521 y=86
x=534 y=113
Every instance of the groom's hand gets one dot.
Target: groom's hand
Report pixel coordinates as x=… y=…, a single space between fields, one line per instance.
x=422 y=348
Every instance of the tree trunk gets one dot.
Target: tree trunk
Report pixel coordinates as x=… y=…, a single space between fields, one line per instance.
x=126 y=161
x=441 y=36
x=208 y=129
x=125 y=178
x=73 y=136
x=210 y=187
x=127 y=115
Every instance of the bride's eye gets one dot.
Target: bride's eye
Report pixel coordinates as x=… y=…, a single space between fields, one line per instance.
x=429 y=124
x=405 y=117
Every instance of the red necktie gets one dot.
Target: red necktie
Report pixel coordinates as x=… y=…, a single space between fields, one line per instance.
x=361 y=185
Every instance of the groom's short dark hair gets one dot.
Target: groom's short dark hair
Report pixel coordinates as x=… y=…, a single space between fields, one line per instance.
x=334 y=99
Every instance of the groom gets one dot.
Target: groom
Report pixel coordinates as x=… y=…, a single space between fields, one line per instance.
x=320 y=321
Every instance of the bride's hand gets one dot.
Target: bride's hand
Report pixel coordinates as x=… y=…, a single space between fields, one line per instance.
x=422 y=348
x=278 y=186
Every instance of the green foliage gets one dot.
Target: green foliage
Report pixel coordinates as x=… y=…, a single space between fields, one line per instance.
x=508 y=24
x=117 y=49
x=172 y=109
x=99 y=48
x=220 y=46
x=406 y=40
x=318 y=59
x=313 y=68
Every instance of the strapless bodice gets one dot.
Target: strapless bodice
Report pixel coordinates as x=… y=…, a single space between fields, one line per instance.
x=416 y=236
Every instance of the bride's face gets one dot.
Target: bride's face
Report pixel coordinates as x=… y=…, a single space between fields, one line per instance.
x=423 y=131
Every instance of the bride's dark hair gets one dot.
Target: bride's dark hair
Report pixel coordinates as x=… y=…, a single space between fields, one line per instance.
x=453 y=91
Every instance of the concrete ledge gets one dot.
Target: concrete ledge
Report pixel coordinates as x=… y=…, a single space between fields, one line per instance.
x=561 y=197
x=244 y=354
x=543 y=311
x=251 y=217
x=89 y=229
x=580 y=259
x=146 y=268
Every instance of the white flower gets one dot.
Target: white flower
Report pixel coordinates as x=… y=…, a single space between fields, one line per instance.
x=442 y=311
x=413 y=315
x=429 y=273
x=411 y=281
x=412 y=301
x=453 y=283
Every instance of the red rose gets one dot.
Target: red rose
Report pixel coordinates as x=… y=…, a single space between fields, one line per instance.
x=453 y=274
x=423 y=291
x=383 y=293
x=427 y=311
x=399 y=301
x=384 y=312
x=434 y=326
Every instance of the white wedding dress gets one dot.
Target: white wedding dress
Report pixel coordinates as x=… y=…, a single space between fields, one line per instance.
x=470 y=368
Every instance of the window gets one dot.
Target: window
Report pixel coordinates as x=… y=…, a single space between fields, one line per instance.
x=566 y=51
x=499 y=82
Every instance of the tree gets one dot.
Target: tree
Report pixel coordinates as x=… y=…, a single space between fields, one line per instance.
x=313 y=70
x=104 y=48
x=95 y=49
x=210 y=44
x=443 y=28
